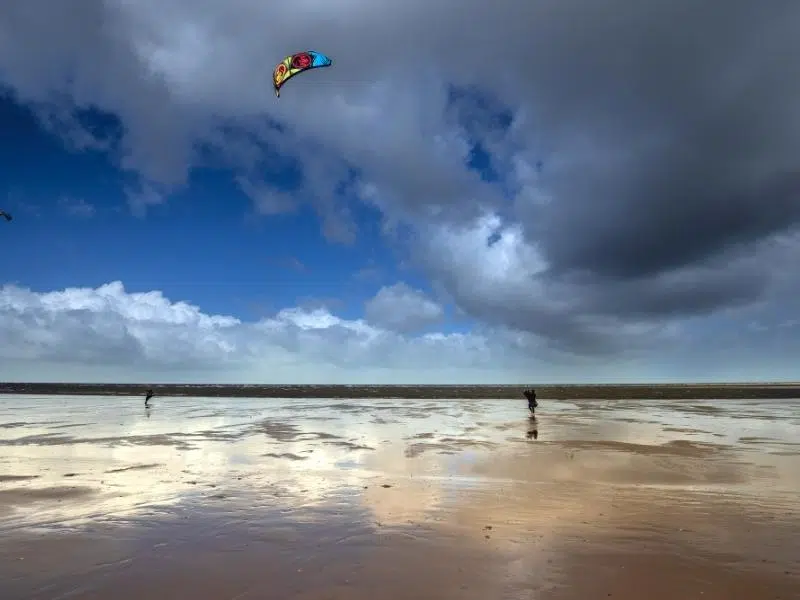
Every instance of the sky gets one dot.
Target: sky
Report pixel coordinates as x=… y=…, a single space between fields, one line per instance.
x=523 y=191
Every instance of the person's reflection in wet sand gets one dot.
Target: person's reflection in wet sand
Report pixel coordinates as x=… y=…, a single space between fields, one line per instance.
x=147 y=411
x=533 y=429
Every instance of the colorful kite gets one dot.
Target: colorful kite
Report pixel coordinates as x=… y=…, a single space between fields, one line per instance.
x=297 y=63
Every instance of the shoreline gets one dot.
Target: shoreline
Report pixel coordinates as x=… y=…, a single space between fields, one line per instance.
x=688 y=391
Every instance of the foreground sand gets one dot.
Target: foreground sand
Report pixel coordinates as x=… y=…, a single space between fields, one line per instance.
x=213 y=498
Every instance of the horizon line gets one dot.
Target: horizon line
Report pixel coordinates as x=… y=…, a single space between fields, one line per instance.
x=429 y=385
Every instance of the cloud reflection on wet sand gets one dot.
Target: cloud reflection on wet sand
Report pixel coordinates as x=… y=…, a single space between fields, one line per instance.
x=406 y=499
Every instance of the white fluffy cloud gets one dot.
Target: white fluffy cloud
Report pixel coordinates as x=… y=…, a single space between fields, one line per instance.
x=108 y=334
x=403 y=309
x=114 y=334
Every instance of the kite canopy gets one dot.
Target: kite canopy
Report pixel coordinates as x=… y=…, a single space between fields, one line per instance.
x=297 y=63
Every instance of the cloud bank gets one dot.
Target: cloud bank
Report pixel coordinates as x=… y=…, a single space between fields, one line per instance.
x=109 y=334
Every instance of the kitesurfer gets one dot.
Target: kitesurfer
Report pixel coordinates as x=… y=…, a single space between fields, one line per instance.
x=147 y=397
x=530 y=394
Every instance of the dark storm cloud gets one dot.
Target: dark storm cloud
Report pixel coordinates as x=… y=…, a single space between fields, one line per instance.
x=670 y=132
x=686 y=294
x=677 y=127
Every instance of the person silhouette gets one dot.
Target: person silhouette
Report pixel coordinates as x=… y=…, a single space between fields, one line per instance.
x=530 y=394
x=147 y=397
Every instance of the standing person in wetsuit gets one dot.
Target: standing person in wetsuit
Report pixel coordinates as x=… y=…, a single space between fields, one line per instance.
x=147 y=397
x=530 y=394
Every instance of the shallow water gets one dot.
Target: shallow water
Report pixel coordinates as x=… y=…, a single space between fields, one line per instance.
x=99 y=490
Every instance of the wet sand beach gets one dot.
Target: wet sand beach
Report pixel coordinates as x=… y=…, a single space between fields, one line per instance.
x=245 y=498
